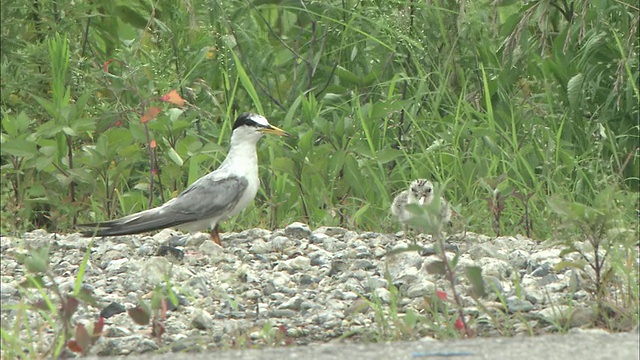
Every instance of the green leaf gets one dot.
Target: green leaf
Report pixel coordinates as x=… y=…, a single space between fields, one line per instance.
x=49 y=106
x=81 y=270
x=574 y=90
x=33 y=282
x=17 y=125
x=284 y=164
x=305 y=144
x=347 y=76
x=37 y=261
x=19 y=148
x=563 y=265
x=157 y=298
x=388 y=154
x=361 y=211
x=288 y=119
x=194 y=169
x=247 y=83
x=174 y=114
x=131 y=17
x=336 y=163
x=49 y=129
x=69 y=131
x=474 y=275
x=173 y=155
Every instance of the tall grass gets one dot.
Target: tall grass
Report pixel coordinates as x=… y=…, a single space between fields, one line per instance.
x=477 y=97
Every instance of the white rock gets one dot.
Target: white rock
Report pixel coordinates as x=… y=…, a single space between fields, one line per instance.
x=495 y=267
x=300 y=263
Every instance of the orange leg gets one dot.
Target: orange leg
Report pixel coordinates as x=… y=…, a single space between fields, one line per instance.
x=215 y=235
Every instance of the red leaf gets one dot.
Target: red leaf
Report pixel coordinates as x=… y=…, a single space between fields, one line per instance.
x=441 y=294
x=163 y=309
x=40 y=304
x=73 y=346
x=173 y=97
x=105 y=65
x=82 y=337
x=140 y=314
x=69 y=306
x=459 y=324
x=98 y=326
x=150 y=114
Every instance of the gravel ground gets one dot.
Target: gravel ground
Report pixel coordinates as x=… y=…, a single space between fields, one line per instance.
x=297 y=286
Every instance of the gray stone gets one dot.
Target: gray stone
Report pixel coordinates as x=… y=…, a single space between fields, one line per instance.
x=282 y=313
x=555 y=314
x=279 y=243
x=383 y=294
x=542 y=270
x=514 y=304
x=551 y=256
x=330 y=230
x=210 y=249
x=292 y=304
x=495 y=267
x=298 y=230
x=201 y=319
x=421 y=289
x=519 y=259
x=260 y=246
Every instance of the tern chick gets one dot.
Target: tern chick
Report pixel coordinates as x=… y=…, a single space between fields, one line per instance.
x=209 y=200
x=420 y=192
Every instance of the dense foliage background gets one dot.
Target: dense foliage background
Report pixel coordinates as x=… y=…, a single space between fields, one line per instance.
x=507 y=104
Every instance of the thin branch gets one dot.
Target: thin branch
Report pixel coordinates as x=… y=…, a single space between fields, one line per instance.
x=85 y=36
x=295 y=53
x=326 y=84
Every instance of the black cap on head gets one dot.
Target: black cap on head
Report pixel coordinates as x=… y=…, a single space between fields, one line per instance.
x=247 y=119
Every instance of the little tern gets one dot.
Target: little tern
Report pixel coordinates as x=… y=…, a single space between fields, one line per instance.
x=209 y=200
x=420 y=192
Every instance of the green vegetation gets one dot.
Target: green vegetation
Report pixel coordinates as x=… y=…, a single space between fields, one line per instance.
x=526 y=112
x=506 y=105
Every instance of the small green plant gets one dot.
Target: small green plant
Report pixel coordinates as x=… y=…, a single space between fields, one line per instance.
x=429 y=218
x=54 y=309
x=273 y=336
x=606 y=242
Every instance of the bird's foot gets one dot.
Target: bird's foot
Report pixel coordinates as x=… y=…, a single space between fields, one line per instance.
x=215 y=235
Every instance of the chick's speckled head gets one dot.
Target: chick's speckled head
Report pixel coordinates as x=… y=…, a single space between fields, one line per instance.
x=420 y=191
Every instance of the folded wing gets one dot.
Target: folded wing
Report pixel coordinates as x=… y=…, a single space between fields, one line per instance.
x=206 y=198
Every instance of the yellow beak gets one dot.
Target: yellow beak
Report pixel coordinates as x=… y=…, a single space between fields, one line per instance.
x=275 y=131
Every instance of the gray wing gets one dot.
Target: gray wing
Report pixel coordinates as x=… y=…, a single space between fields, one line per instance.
x=399 y=204
x=206 y=198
